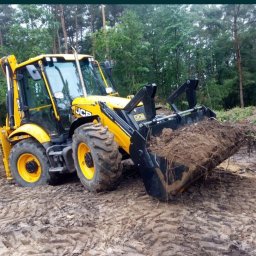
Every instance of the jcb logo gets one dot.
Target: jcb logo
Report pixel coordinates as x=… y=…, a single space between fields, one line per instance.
x=139 y=117
x=83 y=112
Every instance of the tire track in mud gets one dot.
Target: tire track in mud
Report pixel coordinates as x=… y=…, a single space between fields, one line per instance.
x=216 y=216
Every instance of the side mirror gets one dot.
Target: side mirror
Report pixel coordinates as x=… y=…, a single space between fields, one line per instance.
x=33 y=72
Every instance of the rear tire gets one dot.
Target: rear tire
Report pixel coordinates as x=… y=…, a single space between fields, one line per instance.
x=96 y=157
x=29 y=164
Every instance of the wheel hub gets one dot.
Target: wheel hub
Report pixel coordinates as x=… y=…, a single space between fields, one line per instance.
x=31 y=166
x=89 y=160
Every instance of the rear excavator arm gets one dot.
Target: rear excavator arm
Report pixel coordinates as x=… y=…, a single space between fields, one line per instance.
x=13 y=119
x=5 y=150
x=8 y=65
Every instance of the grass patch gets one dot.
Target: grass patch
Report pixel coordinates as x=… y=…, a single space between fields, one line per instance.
x=237 y=114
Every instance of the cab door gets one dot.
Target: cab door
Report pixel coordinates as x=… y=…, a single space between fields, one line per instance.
x=35 y=102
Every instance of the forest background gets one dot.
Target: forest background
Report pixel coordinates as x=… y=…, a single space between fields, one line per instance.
x=162 y=44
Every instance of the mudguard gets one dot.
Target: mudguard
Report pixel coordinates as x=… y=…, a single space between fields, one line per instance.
x=33 y=130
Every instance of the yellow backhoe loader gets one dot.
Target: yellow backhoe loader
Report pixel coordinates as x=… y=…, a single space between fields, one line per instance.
x=64 y=115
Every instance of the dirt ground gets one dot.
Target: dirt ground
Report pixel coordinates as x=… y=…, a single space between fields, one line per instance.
x=216 y=216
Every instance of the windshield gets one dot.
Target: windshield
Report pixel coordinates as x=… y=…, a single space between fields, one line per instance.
x=64 y=79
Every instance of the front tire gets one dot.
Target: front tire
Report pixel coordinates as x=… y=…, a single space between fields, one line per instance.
x=29 y=164
x=96 y=157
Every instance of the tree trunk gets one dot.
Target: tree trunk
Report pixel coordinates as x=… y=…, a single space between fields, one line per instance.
x=238 y=55
x=58 y=40
x=54 y=48
x=81 y=33
x=62 y=19
x=93 y=36
x=1 y=39
x=104 y=30
x=176 y=51
x=76 y=27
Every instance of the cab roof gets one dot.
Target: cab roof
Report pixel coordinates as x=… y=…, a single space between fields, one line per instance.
x=42 y=56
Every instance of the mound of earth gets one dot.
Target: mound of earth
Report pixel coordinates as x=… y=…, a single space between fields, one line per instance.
x=196 y=149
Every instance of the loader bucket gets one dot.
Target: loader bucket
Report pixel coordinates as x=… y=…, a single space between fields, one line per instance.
x=164 y=177
x=161 y=178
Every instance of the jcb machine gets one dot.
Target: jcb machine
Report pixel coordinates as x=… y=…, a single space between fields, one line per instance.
x=64 y=115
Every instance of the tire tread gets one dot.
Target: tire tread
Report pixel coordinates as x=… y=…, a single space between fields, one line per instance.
x=106 y=151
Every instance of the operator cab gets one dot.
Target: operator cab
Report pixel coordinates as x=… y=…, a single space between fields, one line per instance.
x=54 y=82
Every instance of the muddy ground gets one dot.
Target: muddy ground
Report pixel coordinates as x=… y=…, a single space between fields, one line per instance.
x=216 y=216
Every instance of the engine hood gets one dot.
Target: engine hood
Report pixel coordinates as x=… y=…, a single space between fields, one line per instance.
x=111 y=101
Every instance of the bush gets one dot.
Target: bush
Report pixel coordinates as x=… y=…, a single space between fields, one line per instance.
x=236 y=114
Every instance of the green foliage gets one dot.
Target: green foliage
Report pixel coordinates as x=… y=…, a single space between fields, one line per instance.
x=34 y=37
x=236 y=114
x=27 y=43
x=128 y=49
x=162 y=44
